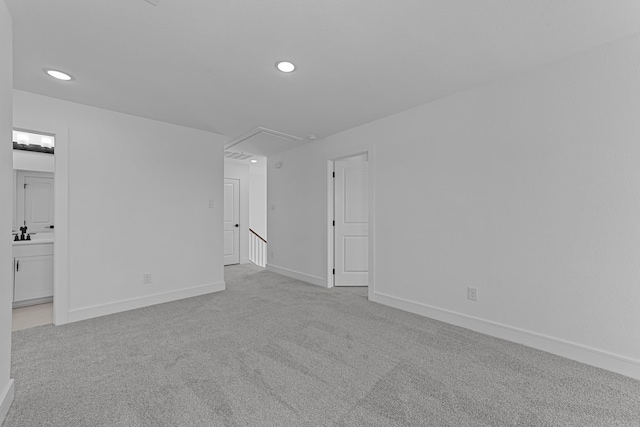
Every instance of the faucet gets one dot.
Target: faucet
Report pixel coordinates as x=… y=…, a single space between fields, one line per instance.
x=23 y=231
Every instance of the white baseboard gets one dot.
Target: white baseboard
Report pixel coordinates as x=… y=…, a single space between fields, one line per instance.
x=84 y=313
x=34 y=301
x=578 y=352
x=314 y=280
x=6 y=399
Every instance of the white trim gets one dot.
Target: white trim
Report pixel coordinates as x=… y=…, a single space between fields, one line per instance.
x=371 y=158
x=6 y=399
x=571 y=350
x=330 y=233
x=61 y=258
x=34 y=301
x=314 y=280
x=143 y=301
x=245 y=260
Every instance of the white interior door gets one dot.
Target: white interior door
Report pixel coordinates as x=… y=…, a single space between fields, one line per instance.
x=351 y=231
x=231 y=221
x=38 y=203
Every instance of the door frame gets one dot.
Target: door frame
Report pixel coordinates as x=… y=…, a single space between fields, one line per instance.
x=60 y=210
x=370 y=152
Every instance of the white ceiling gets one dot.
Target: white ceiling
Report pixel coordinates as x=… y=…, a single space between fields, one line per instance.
x=210 y=64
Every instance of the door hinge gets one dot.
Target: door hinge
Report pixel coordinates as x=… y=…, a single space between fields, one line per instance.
x=25 y=186
x=334 y=223
x=18 y=265
x=334 y=174
x=334 y=271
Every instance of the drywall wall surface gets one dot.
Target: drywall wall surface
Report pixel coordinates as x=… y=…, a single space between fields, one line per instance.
x=6 y=170
x=258 y=197
x=138 y=202
x=33 y=161
x=526 y=189
x=240 y=170
x=297 y=217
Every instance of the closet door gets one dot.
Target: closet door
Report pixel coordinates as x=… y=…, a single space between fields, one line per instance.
x=351 y=225
x=231 y=221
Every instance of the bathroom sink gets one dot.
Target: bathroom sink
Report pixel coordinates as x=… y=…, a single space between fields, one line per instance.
x=41 y=236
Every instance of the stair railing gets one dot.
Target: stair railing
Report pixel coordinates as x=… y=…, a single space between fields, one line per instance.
x=257 y=249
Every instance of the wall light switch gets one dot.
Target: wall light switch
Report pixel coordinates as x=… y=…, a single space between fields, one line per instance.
x=212 y=203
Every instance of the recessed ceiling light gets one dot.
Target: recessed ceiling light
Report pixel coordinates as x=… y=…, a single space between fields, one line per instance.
x=58 y=75
x=253 y=161
x=285 y=66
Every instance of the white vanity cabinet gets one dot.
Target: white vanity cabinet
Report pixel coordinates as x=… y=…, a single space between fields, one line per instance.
x=32 y=273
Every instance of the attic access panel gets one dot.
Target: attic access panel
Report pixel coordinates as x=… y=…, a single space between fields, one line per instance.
x=263 y=142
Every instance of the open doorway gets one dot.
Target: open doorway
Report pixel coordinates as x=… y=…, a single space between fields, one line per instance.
x=349 y=232
x=33 y=229
x=245 y=209
x=60 y=133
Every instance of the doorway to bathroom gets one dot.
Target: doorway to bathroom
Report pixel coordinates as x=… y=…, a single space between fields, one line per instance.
x=33 y=228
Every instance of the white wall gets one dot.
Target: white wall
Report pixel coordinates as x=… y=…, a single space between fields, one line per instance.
x=240 y=170
x=526 y=189
x=137 y=198
x=6 y=170
x=33 y=161
x=258 y=196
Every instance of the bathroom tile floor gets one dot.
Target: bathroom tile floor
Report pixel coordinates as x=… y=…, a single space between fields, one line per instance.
x=33 y=315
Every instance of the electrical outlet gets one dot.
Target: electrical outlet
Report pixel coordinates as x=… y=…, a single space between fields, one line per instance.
x=472 y=294
x=212 y=203
x=146 y=278
x=271 y=255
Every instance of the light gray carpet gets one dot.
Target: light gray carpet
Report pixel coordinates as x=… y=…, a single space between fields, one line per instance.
x=272 y=351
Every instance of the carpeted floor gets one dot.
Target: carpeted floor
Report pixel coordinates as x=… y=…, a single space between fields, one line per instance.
x=272 y=351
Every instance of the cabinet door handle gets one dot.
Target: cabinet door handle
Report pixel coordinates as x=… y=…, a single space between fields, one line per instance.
x=18 y=265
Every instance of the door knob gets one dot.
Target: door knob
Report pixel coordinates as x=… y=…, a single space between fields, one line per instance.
x=237 y=225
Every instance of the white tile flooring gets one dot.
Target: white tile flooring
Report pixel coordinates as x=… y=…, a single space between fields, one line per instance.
x=33 y=315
